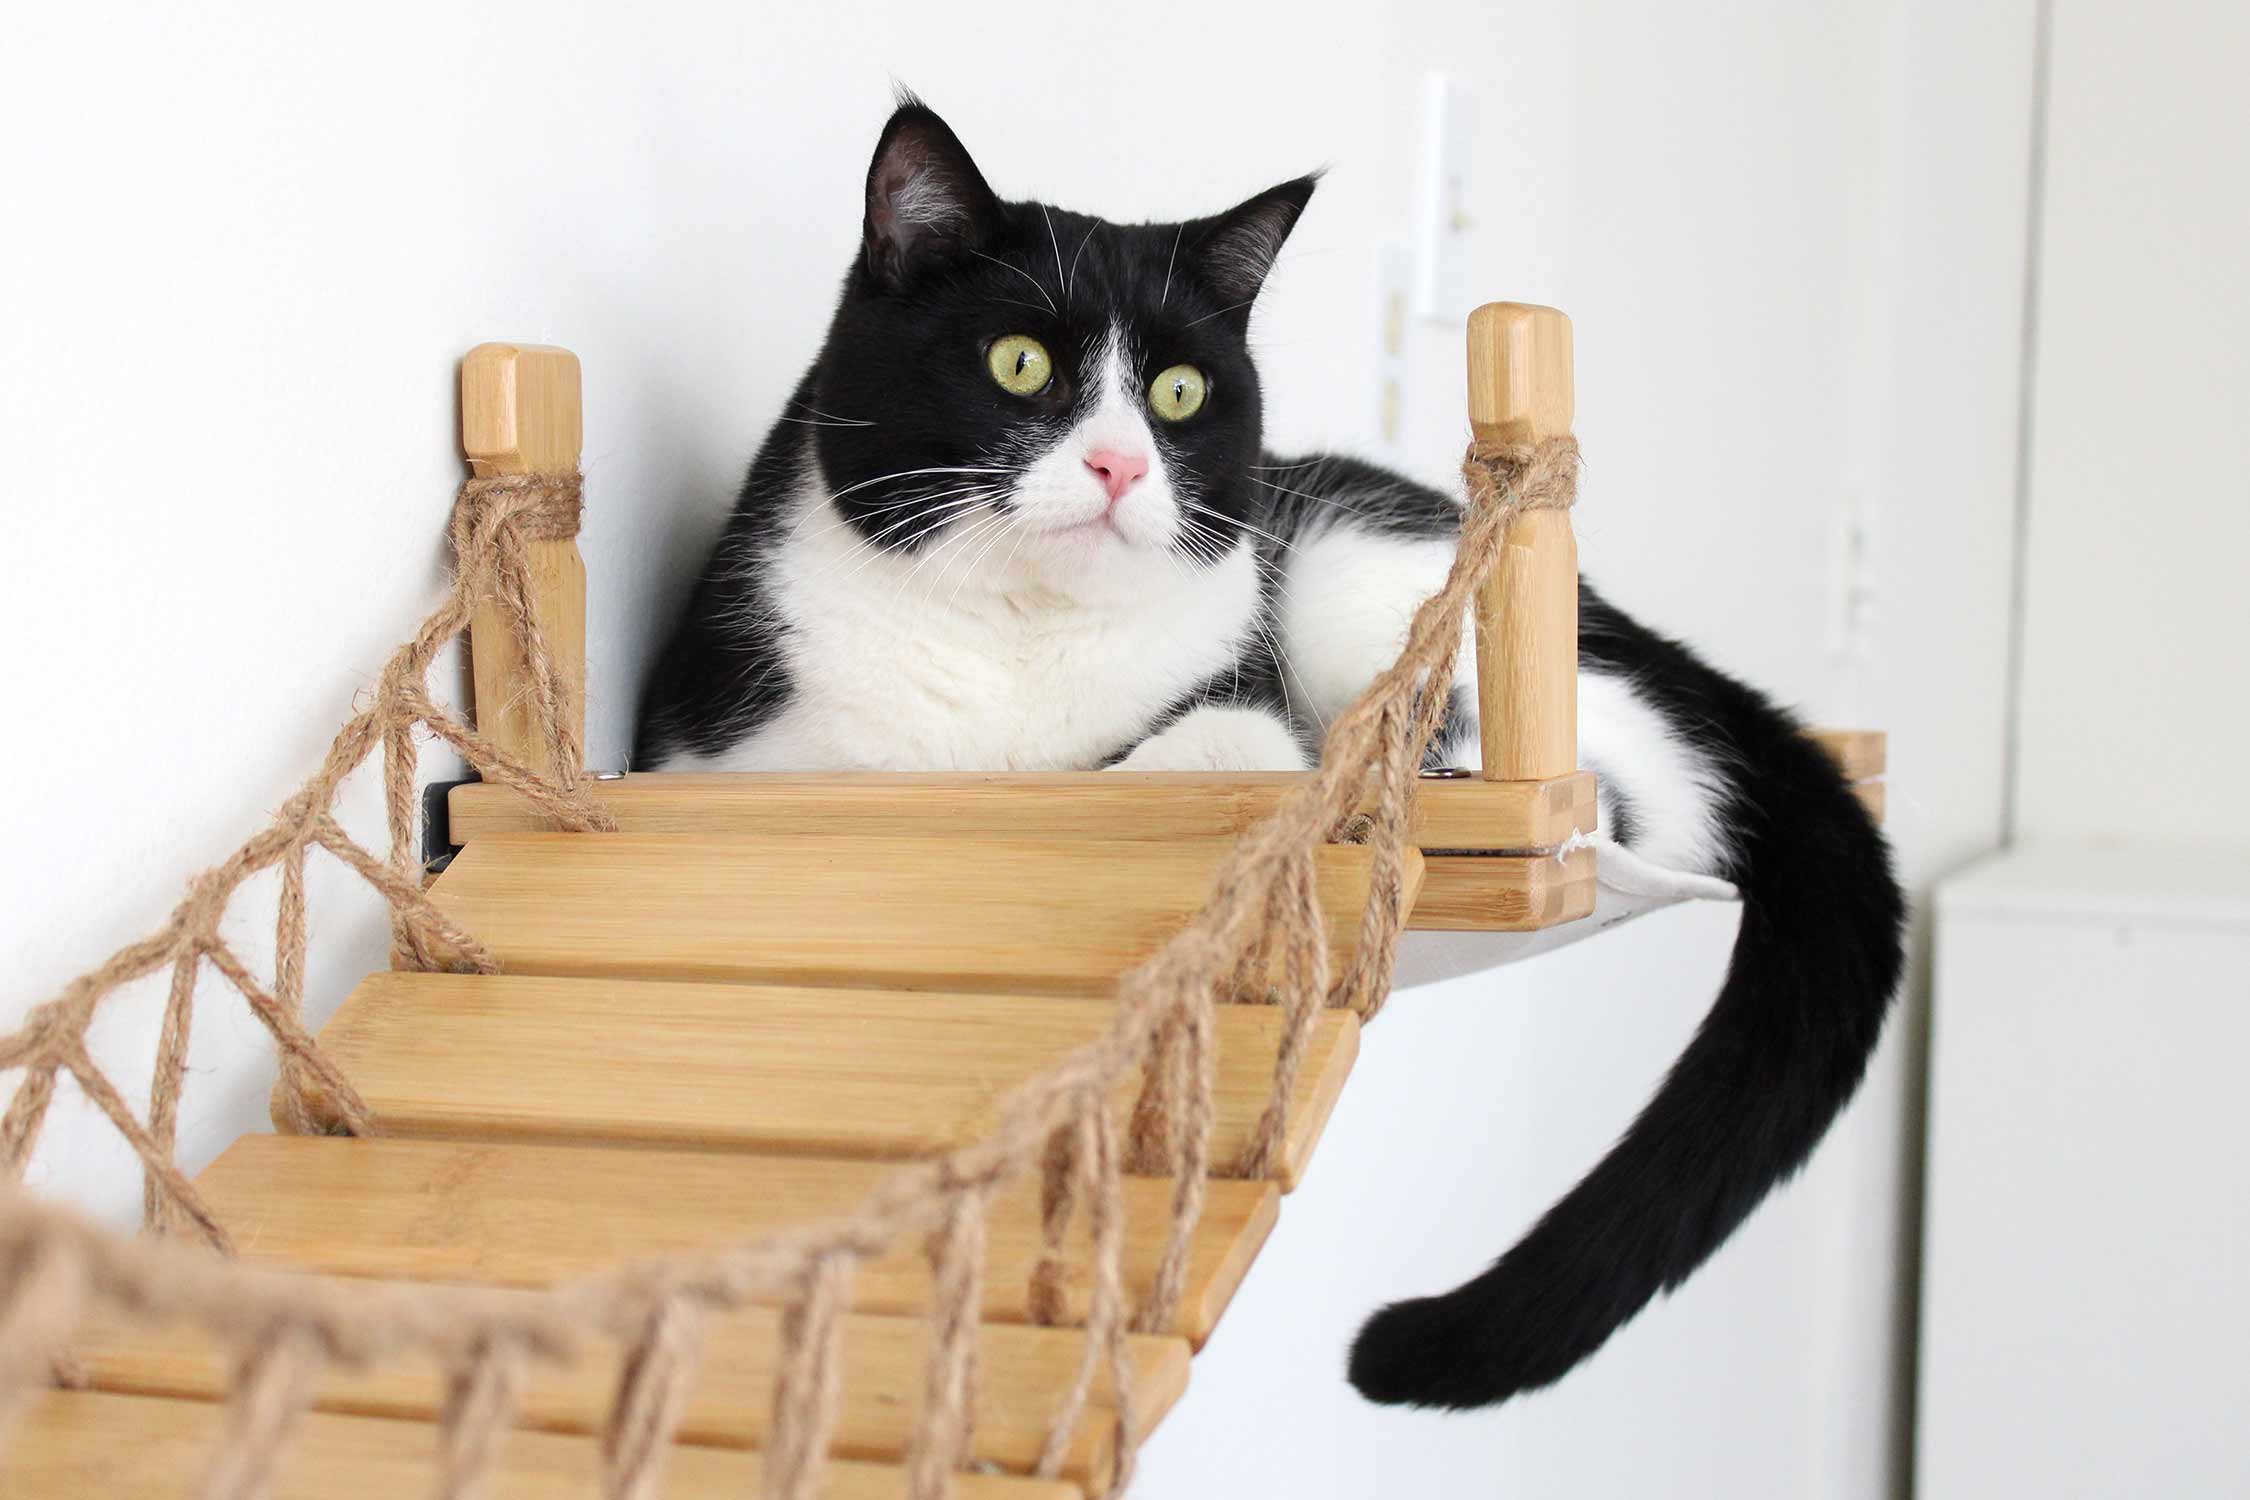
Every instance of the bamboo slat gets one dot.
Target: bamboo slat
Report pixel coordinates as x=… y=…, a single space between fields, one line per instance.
x=1010 y=916
x=90 y=1445
x=1152 y=806
x=861 y=1073
x=1479 y=893
x=1020 y=1370
x=531 y=1216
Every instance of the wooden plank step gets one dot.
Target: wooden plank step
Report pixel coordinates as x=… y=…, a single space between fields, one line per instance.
x=1021 y=1373
x=863 y=1073
x=1009 y=915
x=1485 y=893
x=90 y=1445
x=530 y=1216
x=1160 y=806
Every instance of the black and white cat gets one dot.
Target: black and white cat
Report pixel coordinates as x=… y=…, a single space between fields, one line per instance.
x=1018 y=517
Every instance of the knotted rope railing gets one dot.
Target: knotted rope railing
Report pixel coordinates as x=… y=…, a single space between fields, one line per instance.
x=1261 y=935
x=492 y=522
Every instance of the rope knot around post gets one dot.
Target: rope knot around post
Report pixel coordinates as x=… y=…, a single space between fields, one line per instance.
x=1513 y=477
x=497 y=520
x=540 y=507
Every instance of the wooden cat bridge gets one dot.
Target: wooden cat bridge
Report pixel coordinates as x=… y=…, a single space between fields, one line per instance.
x=791 y=1105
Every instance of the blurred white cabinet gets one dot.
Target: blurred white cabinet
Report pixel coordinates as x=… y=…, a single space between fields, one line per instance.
x=2086 y=1291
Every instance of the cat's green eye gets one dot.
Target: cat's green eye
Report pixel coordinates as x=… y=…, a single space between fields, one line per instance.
x=1178 y=393
x=1020 y=364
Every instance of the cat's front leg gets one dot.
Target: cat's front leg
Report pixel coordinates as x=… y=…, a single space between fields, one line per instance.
x=1220 y=739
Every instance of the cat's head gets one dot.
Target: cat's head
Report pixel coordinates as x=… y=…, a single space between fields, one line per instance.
x=1017 y=382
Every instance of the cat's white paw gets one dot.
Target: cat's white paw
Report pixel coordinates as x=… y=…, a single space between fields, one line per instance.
x=1219 y=739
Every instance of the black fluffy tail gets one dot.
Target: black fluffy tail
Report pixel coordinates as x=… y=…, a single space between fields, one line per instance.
x=1774 y=1061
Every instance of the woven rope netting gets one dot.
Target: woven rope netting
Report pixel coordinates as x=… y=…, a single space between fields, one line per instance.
x=1261 y=936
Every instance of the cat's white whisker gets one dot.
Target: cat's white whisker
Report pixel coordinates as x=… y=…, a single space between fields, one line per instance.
x=943 y=519
x=1009 y=561
x=912 y=473
x=1071 y=281
x=1327 y=500
x=1259 y=622
x=1218 y=515
x=1222 y=312
x=960 y=543
x=865 y=550
x=831 y=416
x=841 y=519
x=1061 y=282
x=1026 y=275
x=1007 y=523
x=936 y=515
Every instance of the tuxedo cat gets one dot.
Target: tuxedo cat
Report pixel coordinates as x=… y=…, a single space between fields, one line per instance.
x=1018 y=516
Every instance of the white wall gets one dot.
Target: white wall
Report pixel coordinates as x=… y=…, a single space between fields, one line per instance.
x=2135 y=627
x=248 y=243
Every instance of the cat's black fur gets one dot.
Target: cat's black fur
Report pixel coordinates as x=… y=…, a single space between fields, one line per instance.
x=1816 y=962
x=945 y=267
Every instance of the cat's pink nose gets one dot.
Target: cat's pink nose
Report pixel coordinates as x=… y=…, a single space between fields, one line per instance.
x=1117 y=471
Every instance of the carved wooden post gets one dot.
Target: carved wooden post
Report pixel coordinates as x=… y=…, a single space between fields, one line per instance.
x=1520 y=391
x=520 y=415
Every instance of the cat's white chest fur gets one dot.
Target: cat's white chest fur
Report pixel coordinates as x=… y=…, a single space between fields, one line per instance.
x=942 y=660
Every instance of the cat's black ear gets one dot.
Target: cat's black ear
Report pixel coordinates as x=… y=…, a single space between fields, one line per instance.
x=925 y=198
x=1234 y=254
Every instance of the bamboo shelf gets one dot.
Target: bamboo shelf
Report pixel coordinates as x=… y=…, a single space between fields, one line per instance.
x=741 y=1009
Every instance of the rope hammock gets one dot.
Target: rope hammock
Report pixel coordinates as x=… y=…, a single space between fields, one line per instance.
x=1261 y=935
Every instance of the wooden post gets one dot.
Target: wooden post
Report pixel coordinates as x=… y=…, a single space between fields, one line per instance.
x=1527 y=616
x=520 y=415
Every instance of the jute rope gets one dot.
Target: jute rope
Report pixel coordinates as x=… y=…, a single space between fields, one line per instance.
x=481 y=1390
x=651 y=1389
x=491 y=522
x=1261 y=935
